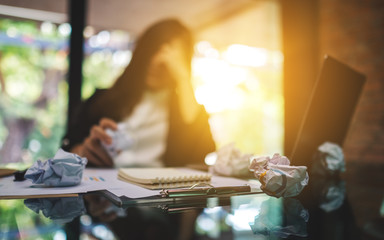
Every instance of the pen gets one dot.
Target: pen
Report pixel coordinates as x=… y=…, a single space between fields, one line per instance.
x=204 y=191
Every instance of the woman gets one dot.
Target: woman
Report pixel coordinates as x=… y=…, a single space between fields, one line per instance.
x=154 y=101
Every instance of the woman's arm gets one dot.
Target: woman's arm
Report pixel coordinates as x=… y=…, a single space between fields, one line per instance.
x=179 y=69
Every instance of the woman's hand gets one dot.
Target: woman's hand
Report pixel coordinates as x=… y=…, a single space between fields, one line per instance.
x=175 y=62
x=92 y=147
x=173 y=59
x=168 y=67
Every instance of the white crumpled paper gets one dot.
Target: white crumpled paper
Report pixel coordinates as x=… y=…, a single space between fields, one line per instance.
x=64 y=169
x=230 y=161
x=277 y=177
x=332 y=157
x=120 y=140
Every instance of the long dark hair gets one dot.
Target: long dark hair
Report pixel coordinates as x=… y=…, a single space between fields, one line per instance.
x=118 y=101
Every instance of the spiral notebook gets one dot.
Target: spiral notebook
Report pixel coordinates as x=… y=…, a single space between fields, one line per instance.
x=163 y=178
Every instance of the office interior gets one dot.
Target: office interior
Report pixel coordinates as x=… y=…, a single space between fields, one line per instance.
x=255 y=65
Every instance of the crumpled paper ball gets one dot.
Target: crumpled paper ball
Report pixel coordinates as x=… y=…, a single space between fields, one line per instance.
x=259 y=164
x=64 y=169
x=331 y=157
x=230 y=161
x=61 y=210
x=121 y=140
x=277 y=177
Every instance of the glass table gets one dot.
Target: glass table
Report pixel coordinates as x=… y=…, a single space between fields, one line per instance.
x=342 y=207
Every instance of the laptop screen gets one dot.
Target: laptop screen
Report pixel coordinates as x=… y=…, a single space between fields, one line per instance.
x=329 y=110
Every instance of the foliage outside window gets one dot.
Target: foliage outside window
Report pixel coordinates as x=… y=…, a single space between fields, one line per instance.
x=34 y=91
x=33 y=65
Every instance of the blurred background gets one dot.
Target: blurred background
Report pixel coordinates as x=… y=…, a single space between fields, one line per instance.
x=254 y=66
x=237 y=68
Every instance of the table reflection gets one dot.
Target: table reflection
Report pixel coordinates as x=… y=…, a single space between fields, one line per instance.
x=93 y=216
x=59 y=210
x=321 y=211
x=243 y=217
x=281 y=218
x=330 y=210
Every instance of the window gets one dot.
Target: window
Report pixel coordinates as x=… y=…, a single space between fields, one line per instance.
x=238 y=77
x=33 y=65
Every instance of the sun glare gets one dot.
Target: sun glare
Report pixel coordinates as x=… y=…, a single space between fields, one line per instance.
x=240 y=88
x=246 y=56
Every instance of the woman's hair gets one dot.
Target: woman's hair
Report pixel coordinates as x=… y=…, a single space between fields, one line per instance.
x=118 y=101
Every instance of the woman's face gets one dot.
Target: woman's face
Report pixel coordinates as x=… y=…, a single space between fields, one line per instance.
x=164 y=66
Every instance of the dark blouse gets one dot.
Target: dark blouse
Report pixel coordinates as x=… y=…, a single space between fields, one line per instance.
x=186 y=143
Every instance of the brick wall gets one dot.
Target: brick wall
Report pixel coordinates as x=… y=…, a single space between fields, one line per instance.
x=353 y=32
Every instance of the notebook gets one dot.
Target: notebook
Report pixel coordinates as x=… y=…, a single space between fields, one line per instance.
x=329 y=111
x=162 y=178
x=4 y=172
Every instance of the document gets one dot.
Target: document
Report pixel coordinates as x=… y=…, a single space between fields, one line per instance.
x=92 y=180
x=95 y=180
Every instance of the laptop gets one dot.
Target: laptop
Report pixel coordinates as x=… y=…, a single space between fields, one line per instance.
x=330 y=110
